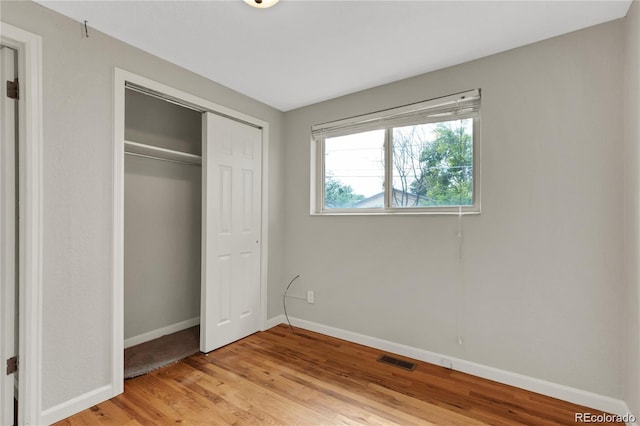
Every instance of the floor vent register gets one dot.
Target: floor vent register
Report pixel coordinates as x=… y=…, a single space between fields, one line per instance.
x=397 y=362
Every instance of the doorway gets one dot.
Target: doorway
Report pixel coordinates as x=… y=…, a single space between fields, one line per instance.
x=25 y=280
x=8 y=235
x=227 y=171
x=162 y=232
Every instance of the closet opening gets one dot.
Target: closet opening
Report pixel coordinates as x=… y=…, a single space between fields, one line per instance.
x=162 y=232
x=190 y=230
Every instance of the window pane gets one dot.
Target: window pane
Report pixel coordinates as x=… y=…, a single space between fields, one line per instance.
x=433 y=164
x=354 y=171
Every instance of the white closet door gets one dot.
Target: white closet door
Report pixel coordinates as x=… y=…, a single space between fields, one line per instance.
x=7 y=236
x=231 y=167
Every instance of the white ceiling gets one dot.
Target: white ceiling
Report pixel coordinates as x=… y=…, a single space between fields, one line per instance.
x=301 y=52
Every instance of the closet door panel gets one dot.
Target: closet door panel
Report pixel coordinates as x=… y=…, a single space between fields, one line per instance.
x=224 y=290
x=231 y=226
x=224 y=199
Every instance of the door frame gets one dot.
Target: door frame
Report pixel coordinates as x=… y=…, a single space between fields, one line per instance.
x=121 y=78
x=8 y=237
x=30 y=136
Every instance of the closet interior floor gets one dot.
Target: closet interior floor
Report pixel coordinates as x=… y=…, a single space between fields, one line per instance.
x=165 y=350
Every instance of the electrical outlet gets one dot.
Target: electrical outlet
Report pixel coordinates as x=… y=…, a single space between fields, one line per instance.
x=310 y=297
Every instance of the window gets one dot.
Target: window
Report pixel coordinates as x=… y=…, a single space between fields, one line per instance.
x=426 y=153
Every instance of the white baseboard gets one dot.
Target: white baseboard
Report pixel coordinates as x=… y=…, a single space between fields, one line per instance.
x=75 y=405
x=627 y=410
x=577 y=396
x=154 y=334
x=277 y=320
x=565 y=393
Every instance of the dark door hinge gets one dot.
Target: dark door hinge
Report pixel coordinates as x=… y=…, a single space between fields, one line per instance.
x=12 y=365
x=13 y=89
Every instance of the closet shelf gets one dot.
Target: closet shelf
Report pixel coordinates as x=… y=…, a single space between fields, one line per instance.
x=150 y=151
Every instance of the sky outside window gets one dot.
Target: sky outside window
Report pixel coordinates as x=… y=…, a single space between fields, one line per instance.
x=357 y=160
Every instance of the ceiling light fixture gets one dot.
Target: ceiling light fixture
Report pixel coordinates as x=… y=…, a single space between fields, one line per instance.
x=261 y=4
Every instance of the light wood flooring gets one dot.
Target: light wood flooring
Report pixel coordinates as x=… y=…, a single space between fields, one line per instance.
x=277 y=377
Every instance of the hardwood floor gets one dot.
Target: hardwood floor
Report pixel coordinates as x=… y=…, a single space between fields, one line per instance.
x=277 y=377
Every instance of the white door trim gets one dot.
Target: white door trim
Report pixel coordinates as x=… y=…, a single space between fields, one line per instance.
x=29 y=47
x=8 y=240
x=121 y=77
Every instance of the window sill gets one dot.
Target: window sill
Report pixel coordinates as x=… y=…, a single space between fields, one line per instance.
x=396 y=213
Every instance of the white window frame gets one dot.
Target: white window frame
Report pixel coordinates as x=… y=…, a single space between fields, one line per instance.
x=432 y=111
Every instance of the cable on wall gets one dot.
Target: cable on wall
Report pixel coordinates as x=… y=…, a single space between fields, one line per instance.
x=284 y=301
x=86 y=29
x=460 y=278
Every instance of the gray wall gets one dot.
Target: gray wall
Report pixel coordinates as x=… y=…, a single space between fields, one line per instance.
x=78 y=187
x=543 y=262
x=162 y=218
x=632 y=207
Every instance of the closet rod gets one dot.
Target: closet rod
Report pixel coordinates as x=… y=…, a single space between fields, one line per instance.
x=156 y=151
x=162 y=159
